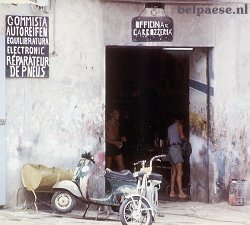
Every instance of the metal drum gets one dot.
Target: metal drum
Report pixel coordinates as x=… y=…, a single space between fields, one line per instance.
x=237 y=192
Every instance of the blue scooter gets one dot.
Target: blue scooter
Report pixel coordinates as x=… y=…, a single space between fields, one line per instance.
x=118 y=186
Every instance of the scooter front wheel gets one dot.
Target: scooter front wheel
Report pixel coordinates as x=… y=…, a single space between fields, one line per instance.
x=135 y=210
x=63 y=202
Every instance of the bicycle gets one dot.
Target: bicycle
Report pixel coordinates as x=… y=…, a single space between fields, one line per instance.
x=142 y=207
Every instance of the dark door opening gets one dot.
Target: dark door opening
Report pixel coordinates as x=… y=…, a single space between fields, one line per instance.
x=150 y=85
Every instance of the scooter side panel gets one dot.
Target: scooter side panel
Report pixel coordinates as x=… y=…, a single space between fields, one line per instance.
x=69 y=186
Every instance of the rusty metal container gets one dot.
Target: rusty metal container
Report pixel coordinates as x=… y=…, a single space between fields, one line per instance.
x=237 y=192
x=41 y=178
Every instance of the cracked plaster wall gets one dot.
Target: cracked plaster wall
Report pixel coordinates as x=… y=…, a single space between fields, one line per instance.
x=198 y=127
x=227 y=154
x=52 y=121
x=216 y=158
x=230 y=139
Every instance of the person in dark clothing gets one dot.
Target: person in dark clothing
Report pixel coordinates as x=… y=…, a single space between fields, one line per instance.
x=114 y=142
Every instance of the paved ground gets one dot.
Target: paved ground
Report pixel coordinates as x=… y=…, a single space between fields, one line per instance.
x=175 y=213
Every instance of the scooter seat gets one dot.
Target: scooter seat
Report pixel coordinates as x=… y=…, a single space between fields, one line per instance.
x=155 y=176
x=125 y=175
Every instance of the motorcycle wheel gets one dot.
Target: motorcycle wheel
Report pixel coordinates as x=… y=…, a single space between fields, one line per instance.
x=131 y=214
x=63 y=202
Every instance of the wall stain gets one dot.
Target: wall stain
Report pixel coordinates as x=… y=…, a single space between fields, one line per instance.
x=198 y=125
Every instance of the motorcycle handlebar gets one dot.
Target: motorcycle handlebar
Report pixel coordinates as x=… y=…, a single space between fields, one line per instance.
x=142 y=162
x=156 y=157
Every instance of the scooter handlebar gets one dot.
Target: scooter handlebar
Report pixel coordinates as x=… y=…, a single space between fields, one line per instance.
x=88 y=156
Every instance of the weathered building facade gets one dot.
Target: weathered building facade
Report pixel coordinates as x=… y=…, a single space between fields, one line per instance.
x=52 y=120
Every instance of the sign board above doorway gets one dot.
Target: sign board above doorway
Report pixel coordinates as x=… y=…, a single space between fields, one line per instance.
x=152 y=29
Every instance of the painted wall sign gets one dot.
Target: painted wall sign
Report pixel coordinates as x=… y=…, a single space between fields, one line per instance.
x=27 y=46
x=149 y=29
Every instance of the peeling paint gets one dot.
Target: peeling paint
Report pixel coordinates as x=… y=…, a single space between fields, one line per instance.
x=198 y=126
x=53 y=121
x=199 y=169
x=55 y=126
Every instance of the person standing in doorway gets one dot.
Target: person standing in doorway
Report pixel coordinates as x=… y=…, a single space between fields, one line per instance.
x=114 y=142
x=175 y=137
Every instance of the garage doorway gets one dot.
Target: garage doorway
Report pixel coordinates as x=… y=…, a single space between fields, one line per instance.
x=149 y=85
